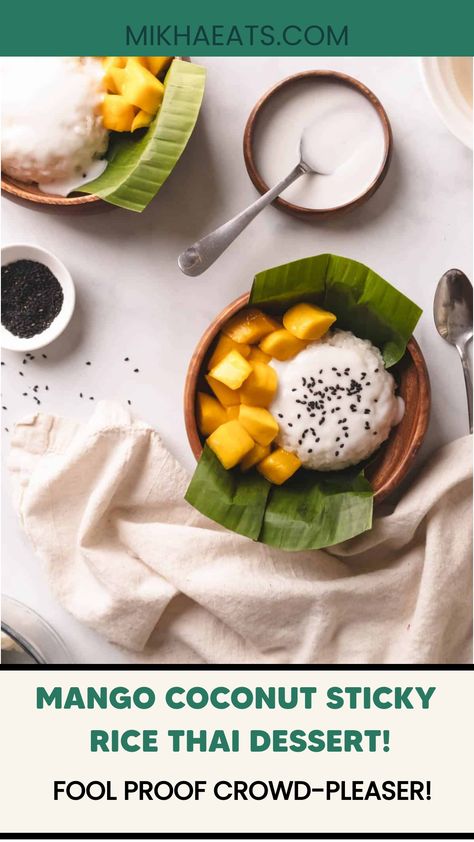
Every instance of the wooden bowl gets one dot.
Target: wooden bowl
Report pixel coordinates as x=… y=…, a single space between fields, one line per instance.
x=392 y=462
x=31 y=193
x=251 y=129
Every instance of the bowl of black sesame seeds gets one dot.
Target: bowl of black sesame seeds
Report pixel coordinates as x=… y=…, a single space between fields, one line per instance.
x=38 y=297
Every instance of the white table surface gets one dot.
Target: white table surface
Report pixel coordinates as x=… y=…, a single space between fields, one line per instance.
x=133 y=301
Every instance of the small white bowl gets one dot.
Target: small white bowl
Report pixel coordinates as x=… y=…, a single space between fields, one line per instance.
x=25 y=252
x=448 y=81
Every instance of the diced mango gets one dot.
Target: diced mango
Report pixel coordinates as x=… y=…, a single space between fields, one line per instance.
x=307 y=321
x=230 y=442
x=210 y=413
x=142 y=60
x=226 y=396
x=141 y=88
x=232 y=370
x=224 y=345
x=281 y=344
x=141 y=120
x=259 y=423
x=249 y=326
x=117 y=113
x=279 y=466
x=158 y=64
x=257 y=356
x=114 y=79
x=254 y=457
x=233 y=412
x=114 y=61
x=260 y=386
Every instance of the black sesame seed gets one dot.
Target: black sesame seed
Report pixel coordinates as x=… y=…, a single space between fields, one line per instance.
x=136 y=370
x=81 y=395
x=20 y=373
x=293 y=390
x=366 y=411
x=6 y=429
x=375 y=370
x=45 y=356
x=341 y=445
x=338 y=438
x=129 y=402
x=317 y=439
x=25 y=394
x=88 y=363
x=290 y=424
x=4 y=407
x=346 y=435
x=334 y=368
x=280 y=415
x=3 y=363
x=126 y=359
x=375 y=433
x=91 y=398
x=298 y=416
x=336 y=453
x=46 y=388
x=376 y=400
x=310 y=450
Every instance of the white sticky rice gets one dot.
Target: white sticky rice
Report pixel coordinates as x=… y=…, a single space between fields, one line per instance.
x=335 y=402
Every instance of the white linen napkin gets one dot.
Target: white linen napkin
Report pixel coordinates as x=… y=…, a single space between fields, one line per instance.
x=103 y=506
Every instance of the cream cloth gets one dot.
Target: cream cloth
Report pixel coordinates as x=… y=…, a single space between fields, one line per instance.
x=102 y=504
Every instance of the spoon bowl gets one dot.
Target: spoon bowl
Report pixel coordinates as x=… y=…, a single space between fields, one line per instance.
x=452 y=311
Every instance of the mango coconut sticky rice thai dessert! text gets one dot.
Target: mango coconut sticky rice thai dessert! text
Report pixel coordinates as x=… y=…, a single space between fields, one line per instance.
x=295 y=393
x=107 y=130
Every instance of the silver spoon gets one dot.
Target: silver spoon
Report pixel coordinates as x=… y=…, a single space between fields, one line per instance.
x=452 y=310
x=202 y=254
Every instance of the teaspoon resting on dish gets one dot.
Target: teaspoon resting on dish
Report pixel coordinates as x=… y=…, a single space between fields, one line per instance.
x=452 y=310
x=323 y=148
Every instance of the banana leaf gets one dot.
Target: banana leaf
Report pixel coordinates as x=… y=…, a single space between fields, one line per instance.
x=363 y=302
x=313 y=510
x=140 y=163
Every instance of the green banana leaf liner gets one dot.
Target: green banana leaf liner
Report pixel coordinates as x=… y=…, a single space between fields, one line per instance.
x=313 y=509
x=140 y=163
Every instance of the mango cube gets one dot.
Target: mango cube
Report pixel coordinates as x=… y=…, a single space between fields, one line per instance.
x=113 y=61
x=254 y=457
x=257 y=356
x=307 y=321
x=259 y=423
x=210 y=413
x=227 y=397
x=232 y=412
x=158 y=64
x=230 y=442
x=224 y=345
x=281 y=344
x=279 y=466
x=232 y=370
x=260 y=386
x=117 y=113
x=141 y=88
x=141 y=120
x=249 y=326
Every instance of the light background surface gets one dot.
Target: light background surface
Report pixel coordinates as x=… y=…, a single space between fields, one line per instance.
x=435 y=744
x=133 y=301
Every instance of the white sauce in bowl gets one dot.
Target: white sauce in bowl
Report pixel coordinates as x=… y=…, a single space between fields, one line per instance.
x=345 y=129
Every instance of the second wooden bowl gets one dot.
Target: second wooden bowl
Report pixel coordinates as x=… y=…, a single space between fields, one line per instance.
x=394 y=459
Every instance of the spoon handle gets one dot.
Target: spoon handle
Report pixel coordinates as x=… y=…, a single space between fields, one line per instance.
x=467 y=380
x=202 y=254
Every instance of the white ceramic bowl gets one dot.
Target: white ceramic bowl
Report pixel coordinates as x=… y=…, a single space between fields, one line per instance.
x=449 y=84
x=25 y=252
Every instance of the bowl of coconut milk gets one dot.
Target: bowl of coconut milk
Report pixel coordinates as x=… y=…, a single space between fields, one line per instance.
x=342 y=112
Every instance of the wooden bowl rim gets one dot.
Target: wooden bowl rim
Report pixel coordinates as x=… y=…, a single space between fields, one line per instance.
x=194 y=371
x=249 y=142
x=22 y=191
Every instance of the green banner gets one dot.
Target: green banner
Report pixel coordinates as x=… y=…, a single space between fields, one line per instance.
x=147 y=27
